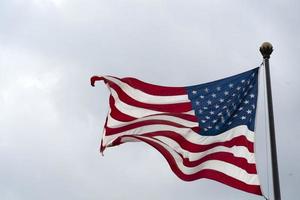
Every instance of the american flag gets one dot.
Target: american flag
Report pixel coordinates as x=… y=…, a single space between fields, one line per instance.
x=203 y=131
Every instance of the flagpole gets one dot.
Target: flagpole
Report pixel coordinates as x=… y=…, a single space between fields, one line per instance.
x=266 y=50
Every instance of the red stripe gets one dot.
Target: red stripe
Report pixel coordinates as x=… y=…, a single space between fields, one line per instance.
x=102 y=147
x=188 y=117
x=111 y=131
x=223 y=156
x=95 y=78
x=206 y=173
x=153 y=89
x=192 y=147
x=176 y=107
x=116 y=114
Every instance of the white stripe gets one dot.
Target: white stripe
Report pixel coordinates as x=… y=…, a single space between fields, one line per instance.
x=187 y=133
x=237 y=151
x=113 y=123
x=221 y=166
x=148 y=98
x=191 y=112
x=225 y=136
x=147 y=129
x=130 y=110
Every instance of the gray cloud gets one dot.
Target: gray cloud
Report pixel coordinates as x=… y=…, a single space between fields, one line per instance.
x=51 y=119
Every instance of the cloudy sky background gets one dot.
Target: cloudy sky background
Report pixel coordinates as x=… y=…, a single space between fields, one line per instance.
x=51 y=119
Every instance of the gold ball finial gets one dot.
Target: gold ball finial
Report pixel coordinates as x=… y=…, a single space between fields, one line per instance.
x=266 y=50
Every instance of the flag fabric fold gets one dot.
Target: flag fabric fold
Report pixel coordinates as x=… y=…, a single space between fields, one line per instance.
x=203 y=131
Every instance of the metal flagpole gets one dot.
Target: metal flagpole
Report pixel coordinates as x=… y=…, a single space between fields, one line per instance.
x=266 y=50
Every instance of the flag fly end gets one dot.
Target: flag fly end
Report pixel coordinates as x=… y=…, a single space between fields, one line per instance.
x=94 y=79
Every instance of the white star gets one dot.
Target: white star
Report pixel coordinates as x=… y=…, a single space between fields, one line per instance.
x=252 y=95
x=205 y=108
x=202 y=97
x=226 y=93
x=217 y=106
x=229 y=123
x=203 y=121
x=206 y=89
x=209 y=102
x=243 y=117
x=209 y=127
x=224 y=107
x=213 y=95
x=252 y=75
x=219 y=114
x=214 y=121
x=212 y=112
x=223 y=120
x=246 y=102
x=238 y=88
x=205 y=129
x=243 y=81
x=235 y=115
x=241 y=108
x=194 y=91
x=249 y=111
x=253 y=106
x=250 y=86
x=217 y=127
x=207 y=117
x=197 y=102
x=218 y=88
x=233 y=94
x=230 y=85
x=200 y=111
x=221 y=100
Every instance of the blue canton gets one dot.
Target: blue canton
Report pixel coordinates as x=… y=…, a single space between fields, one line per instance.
x=226 y=103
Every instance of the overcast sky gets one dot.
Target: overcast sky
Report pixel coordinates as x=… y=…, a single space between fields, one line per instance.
x=51 y=119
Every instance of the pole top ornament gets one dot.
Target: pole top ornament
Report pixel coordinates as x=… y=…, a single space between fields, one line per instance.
x=266 y=50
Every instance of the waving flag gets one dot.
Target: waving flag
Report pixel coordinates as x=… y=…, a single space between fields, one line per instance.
x=203 y=131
